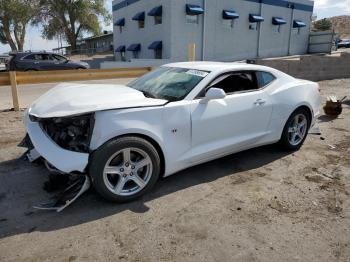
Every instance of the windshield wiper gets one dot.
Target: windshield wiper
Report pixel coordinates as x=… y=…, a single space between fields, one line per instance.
x=148 y=94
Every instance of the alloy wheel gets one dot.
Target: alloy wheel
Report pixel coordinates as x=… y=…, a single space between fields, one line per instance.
x=297 y=129
x=127 y=172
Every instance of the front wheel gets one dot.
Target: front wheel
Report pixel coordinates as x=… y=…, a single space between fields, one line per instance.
x=296 y=130
x=125 y=169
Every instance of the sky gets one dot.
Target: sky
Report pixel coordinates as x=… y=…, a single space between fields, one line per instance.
x=323 y=8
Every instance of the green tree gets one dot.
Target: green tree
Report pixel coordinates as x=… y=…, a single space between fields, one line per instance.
x=72 y=18
x=323 y=25
x=15 y=15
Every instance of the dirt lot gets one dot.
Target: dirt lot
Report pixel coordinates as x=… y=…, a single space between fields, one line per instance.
x=259 y=205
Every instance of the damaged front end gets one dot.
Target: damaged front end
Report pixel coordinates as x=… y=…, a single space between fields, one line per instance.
x=63 y=143
x=71 y=133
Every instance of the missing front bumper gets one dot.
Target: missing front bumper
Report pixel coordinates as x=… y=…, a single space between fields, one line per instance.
x=62 y=159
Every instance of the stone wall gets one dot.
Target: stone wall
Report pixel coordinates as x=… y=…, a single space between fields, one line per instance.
x=313 y=67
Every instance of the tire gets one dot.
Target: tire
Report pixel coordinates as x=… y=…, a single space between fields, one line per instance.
x=120 y=176
x=293 y=137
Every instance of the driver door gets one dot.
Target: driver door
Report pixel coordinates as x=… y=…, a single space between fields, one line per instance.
x=59 y=62
x=238 y=121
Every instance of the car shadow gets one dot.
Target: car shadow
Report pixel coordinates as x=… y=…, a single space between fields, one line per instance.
x=326 y=118
x=21 y=188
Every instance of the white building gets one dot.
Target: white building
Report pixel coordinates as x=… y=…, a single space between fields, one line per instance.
x=223 y=30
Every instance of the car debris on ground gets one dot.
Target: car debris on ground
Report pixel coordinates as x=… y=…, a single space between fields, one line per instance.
x=74 y=185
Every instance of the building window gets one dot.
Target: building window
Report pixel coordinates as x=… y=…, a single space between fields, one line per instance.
x=296 y=31
x=122 y=56
x=135 y=49
x=254 y=26
x=254 y=21
x=141 y=23
x=158 y=53
x=158 y=20
x=192 y=19
x=157 y=47
x=277 y=23
x=157 y=13
x=276 y=29
x=229 y=23
x=140 y=18
x=120 y=23
x=229 y=17
x=192 y=13
x=297 y=26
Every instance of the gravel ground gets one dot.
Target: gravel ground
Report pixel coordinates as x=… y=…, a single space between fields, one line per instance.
x=258 y=205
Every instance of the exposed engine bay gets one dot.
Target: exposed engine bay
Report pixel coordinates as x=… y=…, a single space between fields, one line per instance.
x=71 y=133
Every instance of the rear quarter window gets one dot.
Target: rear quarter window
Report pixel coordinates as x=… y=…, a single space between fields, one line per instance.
x=265 y=78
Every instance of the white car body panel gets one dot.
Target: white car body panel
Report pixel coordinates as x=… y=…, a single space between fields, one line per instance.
x=188 y=132
x=75 y=99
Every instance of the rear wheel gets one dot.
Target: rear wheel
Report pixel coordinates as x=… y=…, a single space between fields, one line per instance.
x=296 y=130
x=125 y=169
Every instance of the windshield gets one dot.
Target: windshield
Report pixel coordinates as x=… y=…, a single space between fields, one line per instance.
x=169 y=83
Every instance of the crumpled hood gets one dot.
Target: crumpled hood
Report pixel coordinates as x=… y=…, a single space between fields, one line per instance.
x=73 y=99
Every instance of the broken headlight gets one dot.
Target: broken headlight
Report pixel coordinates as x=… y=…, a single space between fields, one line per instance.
x=71 y=133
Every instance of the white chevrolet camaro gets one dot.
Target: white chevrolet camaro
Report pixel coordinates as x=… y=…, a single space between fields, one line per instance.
x=177 y=116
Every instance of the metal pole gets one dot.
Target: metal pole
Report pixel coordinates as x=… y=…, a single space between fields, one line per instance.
x=204 y=31
x=290 y=31
x=259 y=32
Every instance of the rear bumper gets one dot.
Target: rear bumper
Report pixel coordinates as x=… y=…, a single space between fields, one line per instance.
x=62 y=159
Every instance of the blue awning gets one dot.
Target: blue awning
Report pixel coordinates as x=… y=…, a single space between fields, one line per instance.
x=194 y=10
x=120 y=49
x=157 y=11
x=134 y=47
x=139 y=16
x=120 y=22
x=256 y=18
x=278 y=21
x=298 y=24
x=156 y=45
x=229 y=14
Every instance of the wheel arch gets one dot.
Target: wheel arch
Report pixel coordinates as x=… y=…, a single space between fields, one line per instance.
x=149 y=139
x=301 y=106
x=308 y=110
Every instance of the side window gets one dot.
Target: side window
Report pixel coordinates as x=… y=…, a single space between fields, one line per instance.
x=59 y=58
x=46 y=57
x=237 y=82
x=30 y=57
x=264 y=78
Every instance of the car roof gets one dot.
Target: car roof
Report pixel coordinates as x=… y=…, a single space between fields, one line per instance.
x=219 y=66
x=32 y=53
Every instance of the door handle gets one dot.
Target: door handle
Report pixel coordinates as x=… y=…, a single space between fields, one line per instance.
x=260 y=102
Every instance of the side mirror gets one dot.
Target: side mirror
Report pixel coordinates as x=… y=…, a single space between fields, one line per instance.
x=214 y=93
